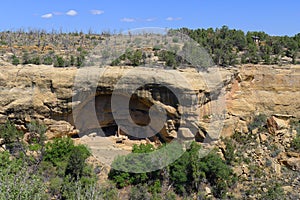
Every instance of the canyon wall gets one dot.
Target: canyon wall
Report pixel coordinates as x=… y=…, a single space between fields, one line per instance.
x=75 y=101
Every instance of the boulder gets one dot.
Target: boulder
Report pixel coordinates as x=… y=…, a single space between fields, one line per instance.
x=185 y=134
x=263 y=137
x=274 y=124
x=59 y=129
x=291 y=162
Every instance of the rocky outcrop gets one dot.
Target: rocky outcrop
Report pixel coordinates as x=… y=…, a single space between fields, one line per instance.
x=69 y=100
x=265 y=89
x=259 y=89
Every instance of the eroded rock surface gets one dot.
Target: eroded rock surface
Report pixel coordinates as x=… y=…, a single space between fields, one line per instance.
x=225 y=99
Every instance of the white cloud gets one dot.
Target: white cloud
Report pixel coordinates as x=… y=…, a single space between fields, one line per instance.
x=71 y=13
x=173 y=18
x=96 y=12
x=47 y=16
x=128 y=20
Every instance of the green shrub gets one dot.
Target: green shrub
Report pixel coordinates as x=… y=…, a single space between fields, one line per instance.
x=47 y=60
x=15 y=60
x=12 y=138
x=116 y=62
x=67 y=157
x=123 y=178
x=19 y=182
x=180 y=173
x=259 y=121
x=275 y=192
x=58 y=150
x=109 y=192
x=59 y=62
x=156 y=187
x=175 y=40
x=219 y=175
x=35 y=60
x=76 y=162
x=296 y=143
x=190 y=170
x=80 y=189
x=170 y=58
x=185 y=174
x=80 y=60
x=55 y=185
x=136 y=58
x=9 y=132
x=229 y=153
x=170 y=196
x=72 y=60
x=139 y=192
x=157 y=47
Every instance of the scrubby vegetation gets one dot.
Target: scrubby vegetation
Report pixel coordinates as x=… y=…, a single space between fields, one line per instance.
x=187 y=176
x=226 y=46
x=32 y=168
x=231 y=46
x=35 y=170
x=295 y=124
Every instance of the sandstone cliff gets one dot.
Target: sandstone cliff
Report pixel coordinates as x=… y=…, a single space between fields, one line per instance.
x=226 y=98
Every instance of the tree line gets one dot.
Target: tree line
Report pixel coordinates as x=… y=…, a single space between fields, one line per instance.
x=230 y=46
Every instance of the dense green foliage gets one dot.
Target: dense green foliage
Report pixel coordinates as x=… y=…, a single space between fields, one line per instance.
x=171 y=59
x=231 y=46
x=35 y=170
x=186 y=174
x=122 y=178
x=57 y=169
x=16 y=182
x=15 y=60
x=50 y=59
x=130 y=57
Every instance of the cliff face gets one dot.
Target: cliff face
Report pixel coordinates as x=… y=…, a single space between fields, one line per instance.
x=265 y=89
x=74 y=102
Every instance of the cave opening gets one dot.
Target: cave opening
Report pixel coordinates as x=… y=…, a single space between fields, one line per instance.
x=105 y=124
x=139 y=105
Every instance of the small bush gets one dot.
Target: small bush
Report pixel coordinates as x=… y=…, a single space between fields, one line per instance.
x=59 y=150
x=296 y=143
x=229 y=153
x=19 y=183
x=76 y=162
x=139 y=192
x=175 y=40
x=274 y=192
x=259 y=121
x=59 y=62
x=47 y=60
x=9 y=132
x=15 y=60
x=35 y=60
x=64 y=155
x=157 y=47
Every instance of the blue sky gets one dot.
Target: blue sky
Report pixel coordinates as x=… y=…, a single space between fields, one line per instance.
x=272 y=16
